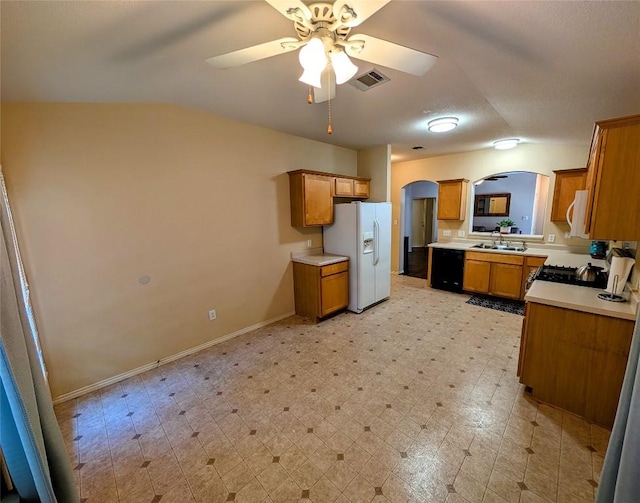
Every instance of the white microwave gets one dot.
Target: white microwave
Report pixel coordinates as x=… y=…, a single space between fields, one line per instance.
x=577 y=219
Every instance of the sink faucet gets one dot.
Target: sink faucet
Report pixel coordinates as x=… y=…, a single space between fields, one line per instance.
x=493 y=238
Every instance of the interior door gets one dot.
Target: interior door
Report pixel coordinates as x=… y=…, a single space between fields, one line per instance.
x=417 y=222
x=429 y=209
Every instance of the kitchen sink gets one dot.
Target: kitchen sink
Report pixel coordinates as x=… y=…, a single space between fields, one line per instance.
x=486 y=246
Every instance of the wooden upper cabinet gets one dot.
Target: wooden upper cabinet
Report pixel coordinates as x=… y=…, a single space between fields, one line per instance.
x=311 y=199
x=343 y=187
x=452 y=199
x=564 y=191
x=613 y=180
x=312 y=194
x=351 y=187
x=361 y=188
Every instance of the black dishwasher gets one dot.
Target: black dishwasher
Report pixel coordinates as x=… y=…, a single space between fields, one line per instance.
x=447 y=269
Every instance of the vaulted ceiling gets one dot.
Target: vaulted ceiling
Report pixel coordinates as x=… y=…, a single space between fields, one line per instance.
x=539 y=71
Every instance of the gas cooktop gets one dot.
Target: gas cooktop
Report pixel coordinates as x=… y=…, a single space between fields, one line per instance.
x=560 y=274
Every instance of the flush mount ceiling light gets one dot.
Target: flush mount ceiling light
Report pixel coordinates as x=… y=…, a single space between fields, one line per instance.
x=443 y=124
x=506 y=143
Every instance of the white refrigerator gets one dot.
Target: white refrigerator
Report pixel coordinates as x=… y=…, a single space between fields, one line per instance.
x=362 y=232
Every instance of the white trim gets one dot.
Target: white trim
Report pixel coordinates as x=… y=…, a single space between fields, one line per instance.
x=149 y=366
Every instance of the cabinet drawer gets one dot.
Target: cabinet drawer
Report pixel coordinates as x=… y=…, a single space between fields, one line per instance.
x=502 y=258
x=328 y=270
x=534 y=261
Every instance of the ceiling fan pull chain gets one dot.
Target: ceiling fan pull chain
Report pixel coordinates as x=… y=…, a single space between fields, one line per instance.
x=309 y=97
x=329 y=128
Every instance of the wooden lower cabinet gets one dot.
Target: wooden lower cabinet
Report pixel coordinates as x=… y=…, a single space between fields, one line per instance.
x=320 y=290
x=494 y=274
x=575 y=360
x=476 y=276
x=506 y=280
x=531 y=264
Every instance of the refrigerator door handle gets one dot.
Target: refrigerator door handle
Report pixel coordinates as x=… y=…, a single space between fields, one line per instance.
x=376 y=242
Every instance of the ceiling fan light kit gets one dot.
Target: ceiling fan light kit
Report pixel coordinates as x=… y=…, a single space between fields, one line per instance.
x=443 y=124
x=323 y=31
x=342 y=66
x=506 y=143
x=313 y=60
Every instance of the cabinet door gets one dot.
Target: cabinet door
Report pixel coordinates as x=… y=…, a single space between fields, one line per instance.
x=523 y=343
x=476 y=276
x=576 y=360
x=615 y=181
x=361 y=188
x=335 y=293
x=564 y=191
x=344 y=187
x=318 y=201
x=452 y=199
x=531 y=264
x=506 y=280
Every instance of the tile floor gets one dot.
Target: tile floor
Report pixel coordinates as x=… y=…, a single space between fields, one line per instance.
x=413 y=400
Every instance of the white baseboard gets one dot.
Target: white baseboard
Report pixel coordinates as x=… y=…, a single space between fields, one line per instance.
x=149 y=366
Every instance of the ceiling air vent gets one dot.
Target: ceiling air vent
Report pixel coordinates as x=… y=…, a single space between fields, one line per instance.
x=369 y=80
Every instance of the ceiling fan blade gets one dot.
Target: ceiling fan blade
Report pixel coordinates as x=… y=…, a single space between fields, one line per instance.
x=255 y=53
x=363 y=9
x=381 y=52
x=291 y=9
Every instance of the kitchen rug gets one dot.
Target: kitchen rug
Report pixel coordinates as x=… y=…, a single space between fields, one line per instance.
x=506 y=305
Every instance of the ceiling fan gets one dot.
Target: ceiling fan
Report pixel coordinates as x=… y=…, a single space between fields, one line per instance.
x=325 y=43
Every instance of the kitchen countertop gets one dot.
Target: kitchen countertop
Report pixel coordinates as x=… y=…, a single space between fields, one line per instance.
x=320 y=259
x=555 y=255
x=578 y=298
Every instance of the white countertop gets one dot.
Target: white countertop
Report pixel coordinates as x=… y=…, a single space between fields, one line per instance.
x=580 y=298
x=555 y=254
x=320 y=259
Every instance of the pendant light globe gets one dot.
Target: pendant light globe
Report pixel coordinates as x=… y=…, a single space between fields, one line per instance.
x=313 y=59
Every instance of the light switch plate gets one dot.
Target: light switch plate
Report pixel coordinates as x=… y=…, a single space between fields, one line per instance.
x=446 y=233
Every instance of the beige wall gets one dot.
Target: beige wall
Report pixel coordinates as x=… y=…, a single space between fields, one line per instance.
x=375 y=163
x=479 y=164
x=105 y=194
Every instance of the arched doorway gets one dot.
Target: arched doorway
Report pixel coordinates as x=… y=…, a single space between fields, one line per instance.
x=419 y=226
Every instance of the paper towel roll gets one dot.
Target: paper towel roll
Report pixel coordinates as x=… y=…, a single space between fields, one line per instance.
x=621 y=267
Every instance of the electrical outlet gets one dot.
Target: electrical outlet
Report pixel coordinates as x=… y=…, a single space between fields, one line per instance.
x=551 y=238
x=212 y=314
x=460 y=234
x=309 y=243
x=567 y=235
x=446 y=233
